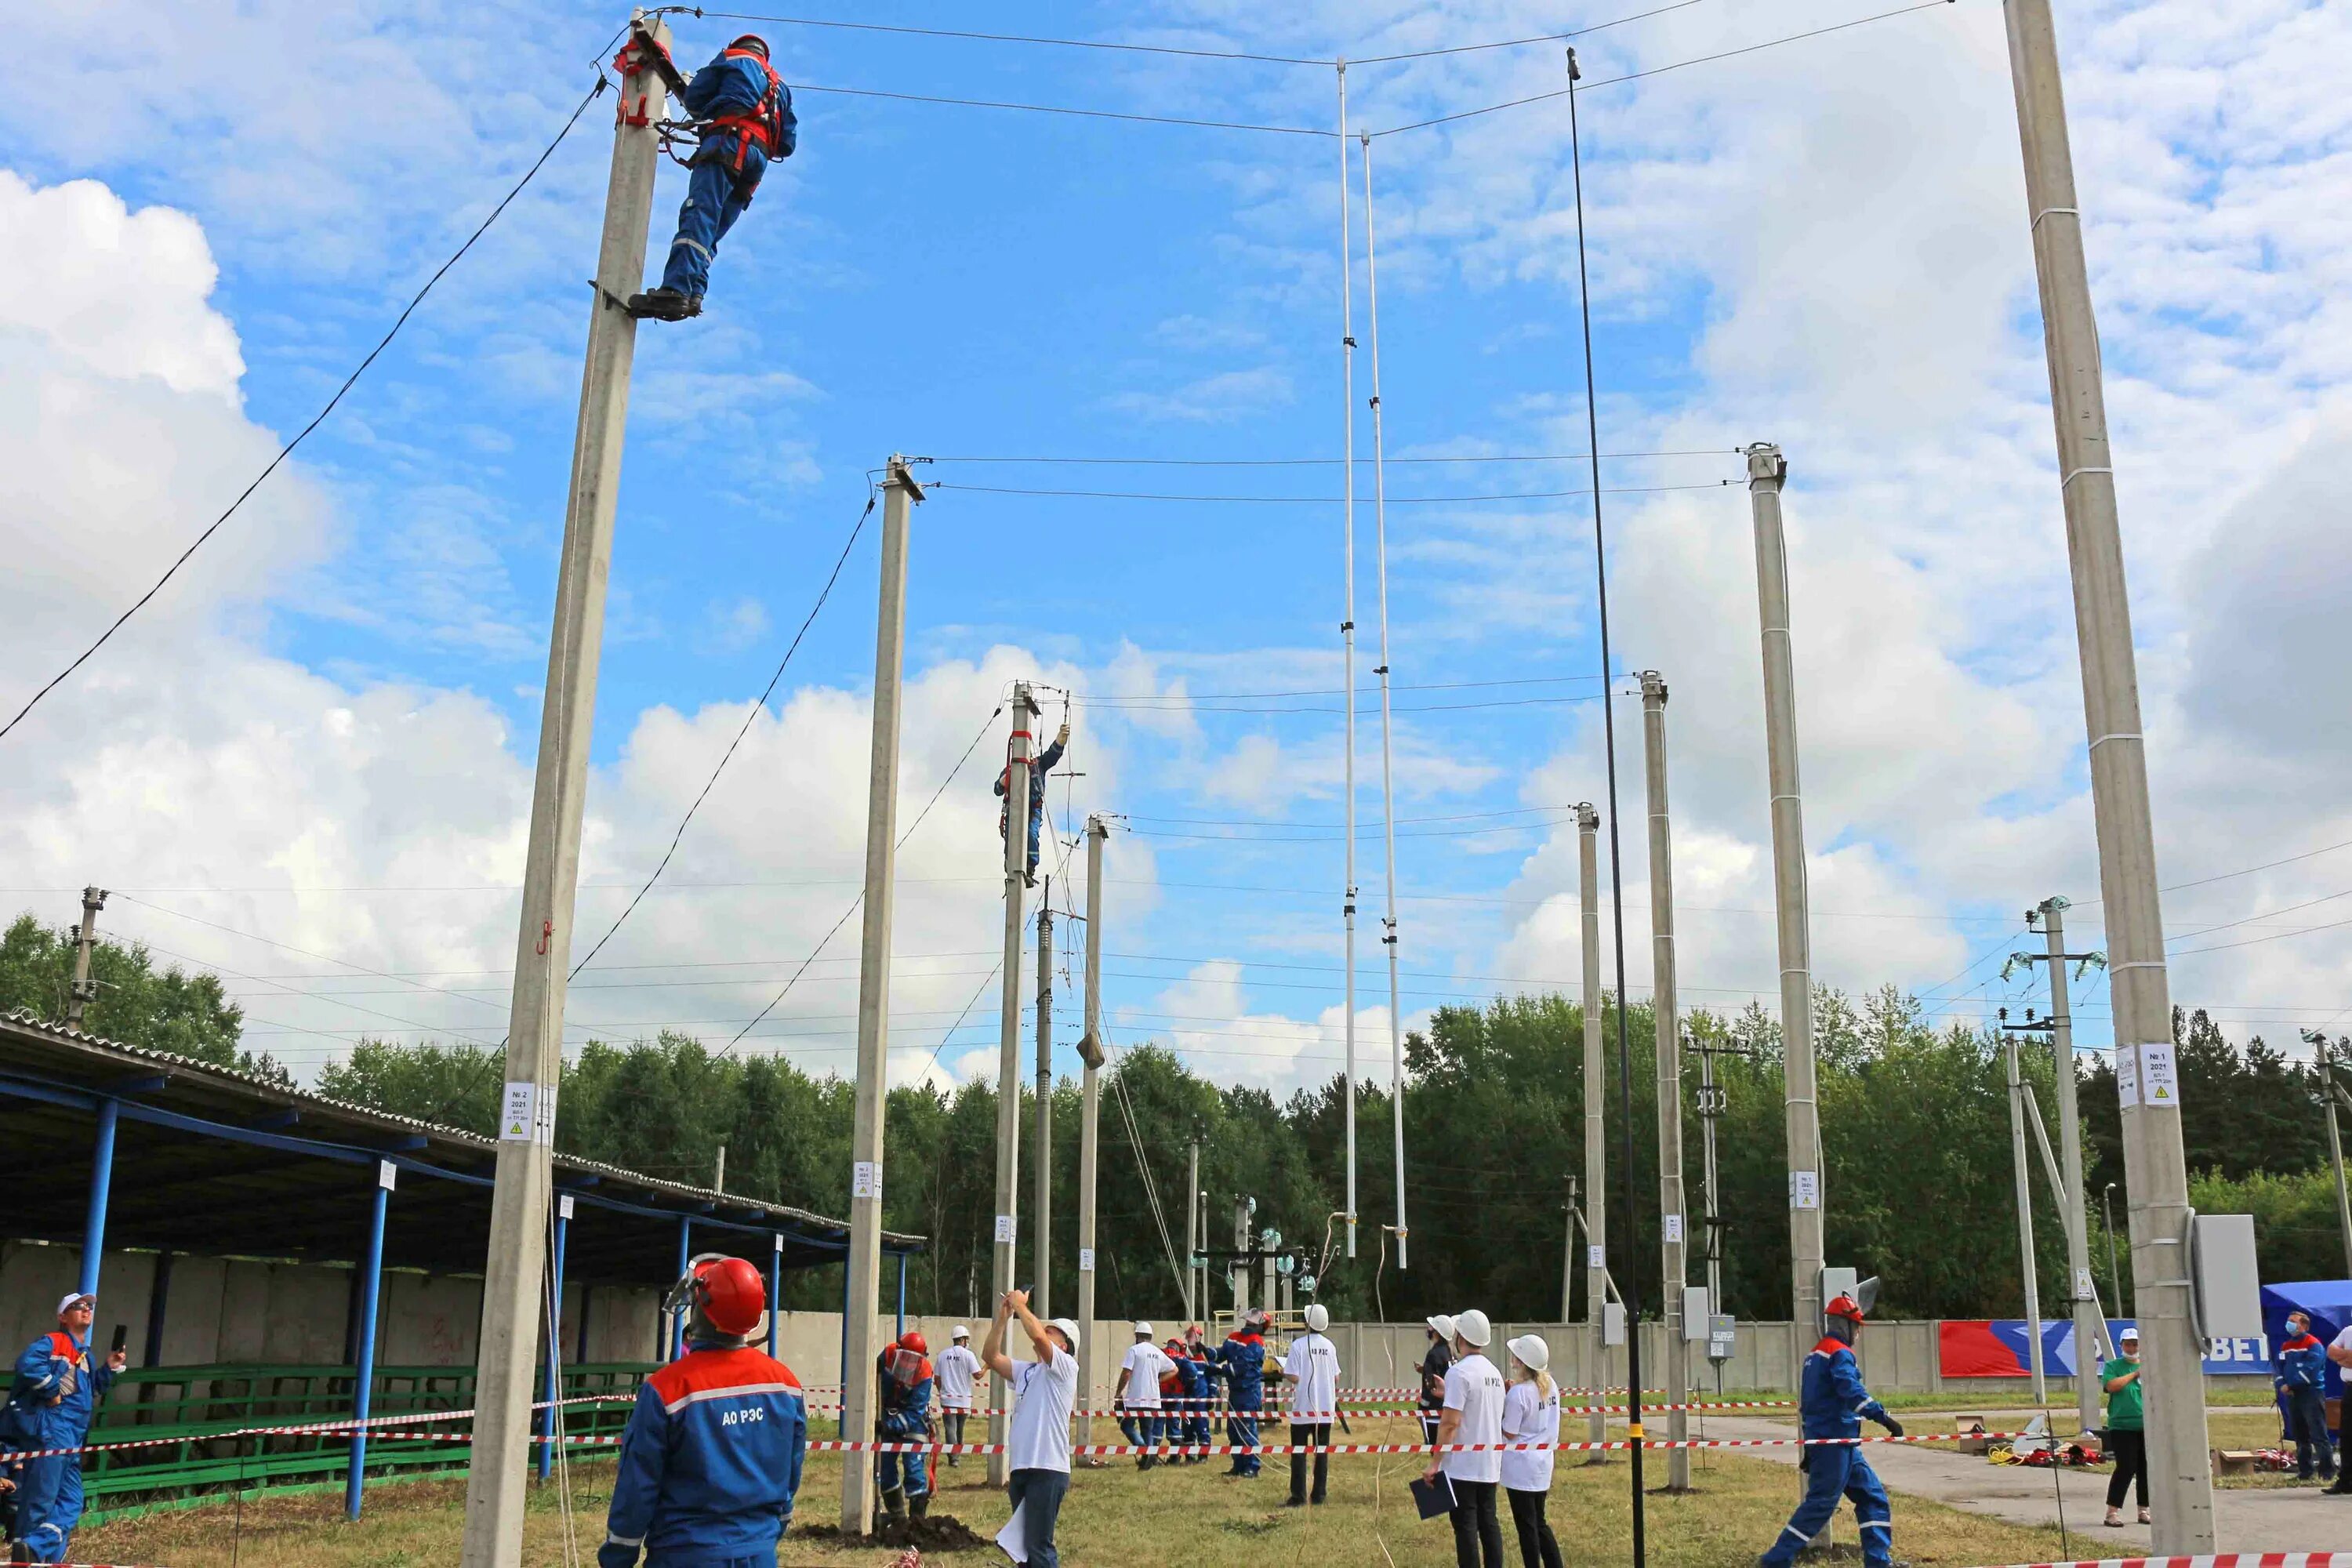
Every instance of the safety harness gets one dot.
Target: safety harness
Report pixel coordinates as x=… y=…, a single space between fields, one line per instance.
x=764 y=124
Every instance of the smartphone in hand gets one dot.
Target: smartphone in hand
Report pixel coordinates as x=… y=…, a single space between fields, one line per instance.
x=121 y=1339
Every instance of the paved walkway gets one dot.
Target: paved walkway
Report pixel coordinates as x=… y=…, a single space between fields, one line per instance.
x=2297 y=1519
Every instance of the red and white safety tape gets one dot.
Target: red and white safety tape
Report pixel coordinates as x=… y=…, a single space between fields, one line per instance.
x=1650 y=1445
x=2225 y=1560
x=374 y=1425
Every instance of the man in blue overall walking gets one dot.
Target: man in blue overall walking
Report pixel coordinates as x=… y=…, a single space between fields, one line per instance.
x=1832 y=1406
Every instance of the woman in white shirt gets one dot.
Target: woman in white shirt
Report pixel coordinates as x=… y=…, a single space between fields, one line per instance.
x=1472 y=1417
x=1531 y=1415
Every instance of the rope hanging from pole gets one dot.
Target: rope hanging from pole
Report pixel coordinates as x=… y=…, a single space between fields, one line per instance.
x=1388 y=775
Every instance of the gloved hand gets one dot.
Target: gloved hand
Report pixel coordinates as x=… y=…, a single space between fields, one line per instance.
x=1893 y=1428
x=1062 y=739
x=613 y=1554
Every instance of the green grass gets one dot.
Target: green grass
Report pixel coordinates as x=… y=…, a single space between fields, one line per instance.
x=1116 y=1518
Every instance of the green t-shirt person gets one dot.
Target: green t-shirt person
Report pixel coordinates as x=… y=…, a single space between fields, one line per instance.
x=2124 y=1410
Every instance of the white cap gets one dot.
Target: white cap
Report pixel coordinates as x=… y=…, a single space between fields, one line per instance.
x=2126 y=1332
x=1472 y=1327
x=1318 y=1318
x=75 y=1299
x=1142 y=1329
x=1069 y=1330
x=1533 y=1353
x=1441 y=1325
x=961 y=1332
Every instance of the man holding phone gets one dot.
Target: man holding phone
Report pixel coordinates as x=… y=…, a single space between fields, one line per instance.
x=55 y=1392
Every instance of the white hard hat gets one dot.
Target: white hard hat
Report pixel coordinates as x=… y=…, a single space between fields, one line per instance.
x=76 y=1299
x=961 y=1332
x=1318 y=1318
x=1069 y=1330
x=1472 y=1327
x=1533 y=1353
x=1441 y=1325
x=1142 y=1329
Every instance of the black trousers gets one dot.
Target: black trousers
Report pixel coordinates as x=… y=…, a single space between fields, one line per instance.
x=1319 y=1433
x=1477 y=1529
x=2130 y=1449
x=1536 y=1544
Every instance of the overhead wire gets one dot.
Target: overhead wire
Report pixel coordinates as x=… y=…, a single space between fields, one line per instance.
x=1321 y=501
x=1336 y=462
x=317 y=419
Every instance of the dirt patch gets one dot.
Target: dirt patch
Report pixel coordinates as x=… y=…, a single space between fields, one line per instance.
x=933 y=1532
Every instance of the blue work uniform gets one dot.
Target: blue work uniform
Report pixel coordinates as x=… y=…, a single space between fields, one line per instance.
x=748 y=118
x=57 y=1387
x=2302 y=1370
x=709 y=1464
x=1831 y=1404
x=1242 y=1356
x=1194 y=1431
x=1039 y=766
x=905 y=1417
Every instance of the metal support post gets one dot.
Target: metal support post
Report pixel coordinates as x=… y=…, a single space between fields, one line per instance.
x=370 y=1285
x=85 y=990
x=1767 y=471
x=2025 y=1223
x=101 y=1190
x=678 y=1324
x=2156 y=1171
x=1090 y=1053
x=899 y=1331
x=900 y=495
x=508 y=1339
x=1672 y=1216
x=1041 y=1240
x=550 y=1426
x=2083 y=1291
x=1007 y=1256
x=1596 y=1117
x=775 y=1293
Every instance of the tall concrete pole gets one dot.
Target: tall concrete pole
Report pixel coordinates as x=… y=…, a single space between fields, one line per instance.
x=1348 y=648
x=1040 y=1244
x=1768 y=470
x=84 y=991
x=1008 y=1049
x=517 y=1259
x=1192 y=1227
x=1673 y=1215
x=899 y=494
x=2090 y=1324
x=2025 y=1225
x=2331 y=1094
x=1090 y=1052
x=2156 y=1170
x=1596 y=1120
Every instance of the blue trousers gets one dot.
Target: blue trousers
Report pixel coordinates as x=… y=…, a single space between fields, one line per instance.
x=907 y=1470
x=1041 y=1493
x=1240 y=1430
x=714 y=199
x=1142 y=1428
x=1834 y=1472
x=2306 y=1421
x=48 y=1503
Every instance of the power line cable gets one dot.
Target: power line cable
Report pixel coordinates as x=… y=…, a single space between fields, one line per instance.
x=317 y=419
x=1337 y=462
x=1662 y=71
x=1239 y=55
x=749 y=719
x=1061 y=108
x=1517 y=43
x=1323 y=500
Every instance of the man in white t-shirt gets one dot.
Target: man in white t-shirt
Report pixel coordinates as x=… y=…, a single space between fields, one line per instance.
x=2339 y=1351
x=1311 y=1368
x=1139 y=1398
x=1473 y=1417
x=1038 y=1449
x=955 y=1369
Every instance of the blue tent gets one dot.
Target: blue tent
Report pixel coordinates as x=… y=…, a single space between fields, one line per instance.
x=2329 y=1303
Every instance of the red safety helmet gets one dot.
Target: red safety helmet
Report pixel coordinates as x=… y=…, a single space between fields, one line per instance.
x=1843 y=1306
x=912 y=1339
x=730 y=1294
x=751 y=41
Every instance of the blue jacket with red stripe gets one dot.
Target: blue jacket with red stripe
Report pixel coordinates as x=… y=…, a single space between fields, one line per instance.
x=710 y=1462
x=1832 y=1400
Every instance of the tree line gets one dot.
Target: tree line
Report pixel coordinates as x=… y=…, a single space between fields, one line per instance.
x=1915 y=1122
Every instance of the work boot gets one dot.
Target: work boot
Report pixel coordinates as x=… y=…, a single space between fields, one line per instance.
x=895 y=1502
x=919 y=1505
x=664 y=305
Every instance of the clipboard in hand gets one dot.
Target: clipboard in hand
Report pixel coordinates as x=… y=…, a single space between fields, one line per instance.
x=1433 y=1497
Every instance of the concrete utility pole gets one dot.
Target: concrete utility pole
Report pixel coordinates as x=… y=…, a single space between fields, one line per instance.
x=1768 y=470
x=719 y=1171
x=2026 y=1218
x=1568 y=1257
x=2148 y=1077
x=1008 y=1050
x=2332 y=1096
x=85 y=935
x=2082 y=1289
x=1041 y=1245
x=1673 y=1218
x=1192 y=1238
x=517 y=1259
x=1596 y=1107
x=899 y=494
x=1348 y=654
x=1090 y=1052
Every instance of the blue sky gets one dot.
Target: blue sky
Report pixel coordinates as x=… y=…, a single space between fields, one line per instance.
x=320 y=738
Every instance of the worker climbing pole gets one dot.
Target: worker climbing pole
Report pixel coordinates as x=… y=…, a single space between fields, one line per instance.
x=742 y=120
